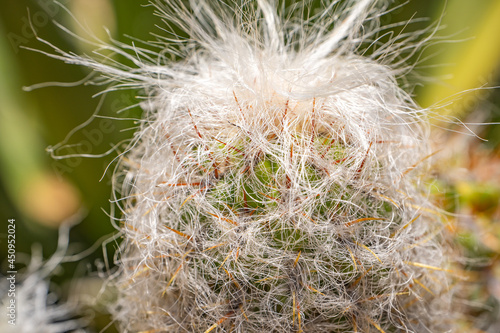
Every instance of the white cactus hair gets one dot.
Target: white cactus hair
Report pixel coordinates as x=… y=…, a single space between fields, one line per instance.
x=274 y=181
x=37 y=307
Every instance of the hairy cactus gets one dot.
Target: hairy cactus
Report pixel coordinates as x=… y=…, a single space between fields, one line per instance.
x=274 y=182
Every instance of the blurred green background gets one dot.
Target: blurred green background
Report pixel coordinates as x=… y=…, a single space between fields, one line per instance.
x=41 y=192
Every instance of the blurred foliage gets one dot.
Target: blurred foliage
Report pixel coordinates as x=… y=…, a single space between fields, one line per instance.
x=468 y=60
x=41 y=192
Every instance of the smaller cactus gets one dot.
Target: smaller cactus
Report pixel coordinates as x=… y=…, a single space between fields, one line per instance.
x=31 y=306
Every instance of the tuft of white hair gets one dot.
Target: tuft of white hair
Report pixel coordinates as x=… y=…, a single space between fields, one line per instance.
x=275 y=182
x=28 y=303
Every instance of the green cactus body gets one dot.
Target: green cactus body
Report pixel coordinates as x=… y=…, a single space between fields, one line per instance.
x=261 y=235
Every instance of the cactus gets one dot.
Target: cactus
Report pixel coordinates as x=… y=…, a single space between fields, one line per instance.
x=274 y=182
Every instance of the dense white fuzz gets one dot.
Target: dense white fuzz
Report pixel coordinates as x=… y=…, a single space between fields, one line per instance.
x=274 y=182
